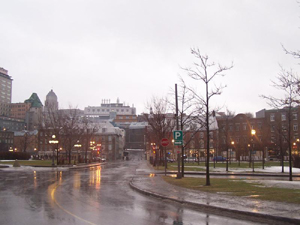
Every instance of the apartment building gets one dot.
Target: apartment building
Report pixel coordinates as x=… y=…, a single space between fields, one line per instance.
x=5 y=92
x=19 y=110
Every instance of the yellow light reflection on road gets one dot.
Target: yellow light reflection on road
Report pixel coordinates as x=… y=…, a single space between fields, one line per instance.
x=95 y=178
x=77 y=180
x=34 y=180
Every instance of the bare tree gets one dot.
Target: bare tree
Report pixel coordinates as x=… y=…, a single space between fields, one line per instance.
x=25 y=140
x=224 y=132
x=287 y=82
x=89 y=131
x=295 y=54
x=201 y=72
x=71 y=130
x=160 y=121
x=186 y=117
x=65 y=125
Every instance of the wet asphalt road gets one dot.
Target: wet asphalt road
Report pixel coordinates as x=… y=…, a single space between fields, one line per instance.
x=99 y=195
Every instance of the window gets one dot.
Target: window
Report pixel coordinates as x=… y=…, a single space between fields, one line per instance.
x=295 y=127
x=224 y=140
x=284 y=128
x=295 y=116
x=237 y=127
x=201 y=144
x=272 y=117
x=201 y=135
x=283 y=117
x=259 y=126
x=211 y=134
x=244 y=126
x=272 y=128
x=272 y=139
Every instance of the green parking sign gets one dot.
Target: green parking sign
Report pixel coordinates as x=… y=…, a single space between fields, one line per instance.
x=178 y=137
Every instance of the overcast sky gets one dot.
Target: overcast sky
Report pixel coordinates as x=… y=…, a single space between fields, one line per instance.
x=89 y=50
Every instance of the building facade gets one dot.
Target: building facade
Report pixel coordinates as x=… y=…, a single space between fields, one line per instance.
x=33 y=114
x=51 y=102
x=19 y=110
x=5 y=92
x=108 y=110
x=6 y=140
x=282 y=127
x=11 y=124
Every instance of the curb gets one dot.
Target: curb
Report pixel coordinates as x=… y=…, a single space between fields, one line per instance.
x=205 y=206
x=230 y=174
x=84 y=166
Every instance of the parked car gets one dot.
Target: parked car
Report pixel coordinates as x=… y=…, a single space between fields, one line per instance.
x=190 y=159
x=99 y=159
x=170 y=160
x=219 y=159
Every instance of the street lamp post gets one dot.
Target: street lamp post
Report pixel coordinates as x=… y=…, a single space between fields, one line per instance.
x=77 y=146
x=232 y=143
x=53 y=141
x=253 y=132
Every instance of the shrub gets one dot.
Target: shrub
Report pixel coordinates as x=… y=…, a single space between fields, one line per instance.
x=296 y=161
x=14 y=155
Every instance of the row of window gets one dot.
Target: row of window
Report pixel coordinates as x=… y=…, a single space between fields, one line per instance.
x=108 y=110
x=283 y=117
x=49 y=148
x=127 y=117
x=7 y=141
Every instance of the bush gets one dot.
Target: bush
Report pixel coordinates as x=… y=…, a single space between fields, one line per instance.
x=14 y=155
x=296 y=161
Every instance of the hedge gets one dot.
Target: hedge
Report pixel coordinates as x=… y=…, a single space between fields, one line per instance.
x=14 y=155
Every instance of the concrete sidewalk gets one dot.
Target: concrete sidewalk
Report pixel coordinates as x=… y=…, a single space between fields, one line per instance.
x=154 y=185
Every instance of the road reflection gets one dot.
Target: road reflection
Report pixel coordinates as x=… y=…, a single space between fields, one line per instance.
x=95 y=177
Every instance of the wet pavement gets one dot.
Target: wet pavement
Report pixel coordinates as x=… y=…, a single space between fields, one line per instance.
x=101 y=195
x=155 y=186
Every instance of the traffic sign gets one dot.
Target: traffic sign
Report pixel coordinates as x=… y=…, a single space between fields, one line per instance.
x=164 y=142
x=178 y=137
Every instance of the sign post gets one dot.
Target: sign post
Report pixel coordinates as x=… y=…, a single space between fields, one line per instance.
x=178 y=137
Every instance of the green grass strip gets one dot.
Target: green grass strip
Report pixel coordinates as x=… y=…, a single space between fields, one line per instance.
x=238 y=187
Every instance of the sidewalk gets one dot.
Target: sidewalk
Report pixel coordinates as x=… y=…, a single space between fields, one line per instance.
x=155 y=186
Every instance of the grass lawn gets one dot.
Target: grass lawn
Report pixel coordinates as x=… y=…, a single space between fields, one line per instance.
x=238 y=187
x=194 y=166
x=30 y=162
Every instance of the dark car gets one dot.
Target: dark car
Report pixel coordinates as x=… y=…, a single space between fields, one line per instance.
x=219 y=159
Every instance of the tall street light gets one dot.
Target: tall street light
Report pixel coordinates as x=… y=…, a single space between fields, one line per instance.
x=77 y=146
x=232 y=144
x=54 y=142
x=253 y=132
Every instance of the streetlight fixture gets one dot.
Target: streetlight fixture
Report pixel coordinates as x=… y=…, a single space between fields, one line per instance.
x=253 y=132
x=53 y=141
